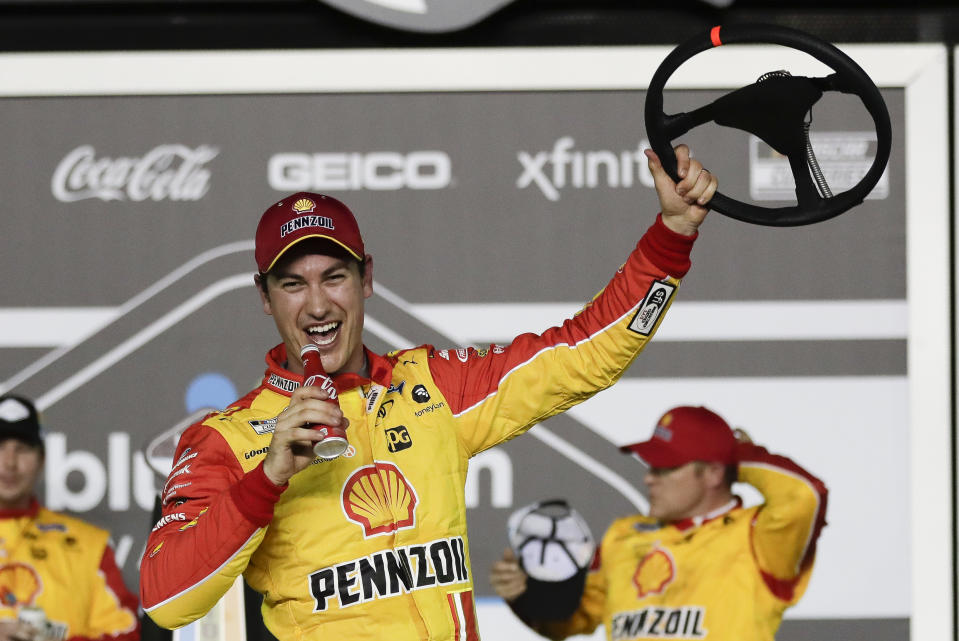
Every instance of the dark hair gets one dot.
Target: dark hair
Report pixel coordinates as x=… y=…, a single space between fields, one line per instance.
x=730 y=472
x=338 y=251
x=731 y=475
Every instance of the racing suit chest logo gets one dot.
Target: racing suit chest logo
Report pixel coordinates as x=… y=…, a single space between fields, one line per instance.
x=655 y=571
x=25 y=581
x=379 y=499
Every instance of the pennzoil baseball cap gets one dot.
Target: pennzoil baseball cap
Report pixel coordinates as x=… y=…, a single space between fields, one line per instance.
x=301 y=216
x=685 y=434
x=19 y=419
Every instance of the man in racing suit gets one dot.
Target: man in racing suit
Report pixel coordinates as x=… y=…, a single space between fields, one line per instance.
x=373 y=545
x=58 y=577
x=700 y=566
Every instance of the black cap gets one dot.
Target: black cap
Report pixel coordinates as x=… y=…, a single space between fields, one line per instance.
x=19 y=420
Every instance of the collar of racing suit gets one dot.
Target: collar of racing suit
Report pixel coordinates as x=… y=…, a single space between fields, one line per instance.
x=695 y=521
x=30 y=510
x=282 y=380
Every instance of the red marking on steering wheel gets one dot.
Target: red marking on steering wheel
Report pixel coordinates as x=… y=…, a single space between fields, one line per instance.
x=714 y=36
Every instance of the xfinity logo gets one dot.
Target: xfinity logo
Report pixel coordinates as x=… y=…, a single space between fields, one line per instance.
x=375 y=171
x=562 y=167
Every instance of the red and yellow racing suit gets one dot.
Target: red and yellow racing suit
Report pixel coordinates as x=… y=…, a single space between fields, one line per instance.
x=65 y=567
x=373 y=545
x=730 y=575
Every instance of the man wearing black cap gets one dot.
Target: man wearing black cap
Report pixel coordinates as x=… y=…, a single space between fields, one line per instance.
x=58 y=577
x=699 y=565
x=372 y=544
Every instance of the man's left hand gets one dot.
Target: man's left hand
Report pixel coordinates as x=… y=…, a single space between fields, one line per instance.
x=684 y=204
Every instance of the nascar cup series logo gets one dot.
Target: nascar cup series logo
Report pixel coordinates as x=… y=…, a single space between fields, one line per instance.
x=166 y=172
x=374 y=494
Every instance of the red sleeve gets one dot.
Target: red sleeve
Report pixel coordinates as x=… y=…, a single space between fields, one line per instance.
x=666 y=249
x=211 y=510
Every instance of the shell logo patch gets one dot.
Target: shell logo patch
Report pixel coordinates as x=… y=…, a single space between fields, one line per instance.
x=19 y=584
x=304 y=206
x=655 y=571
x=379 y=499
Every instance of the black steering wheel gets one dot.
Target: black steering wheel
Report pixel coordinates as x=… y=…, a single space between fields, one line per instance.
x=774 y=108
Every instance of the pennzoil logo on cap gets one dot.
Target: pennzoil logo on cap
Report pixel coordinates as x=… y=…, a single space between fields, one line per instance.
x=306 y=221
x=663 y=433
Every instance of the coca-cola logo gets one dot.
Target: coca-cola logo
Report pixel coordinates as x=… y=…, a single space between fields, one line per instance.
x=166 y=172
x=323 y=382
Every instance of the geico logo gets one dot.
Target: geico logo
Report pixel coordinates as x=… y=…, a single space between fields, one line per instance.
x=563 y=167
x=377 y=170
x=125 y=474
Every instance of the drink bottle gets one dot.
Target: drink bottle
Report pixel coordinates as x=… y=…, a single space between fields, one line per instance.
x=335 y=442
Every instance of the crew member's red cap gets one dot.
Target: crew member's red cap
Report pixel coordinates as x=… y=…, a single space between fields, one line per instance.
x=685 y=434
x=300 y=216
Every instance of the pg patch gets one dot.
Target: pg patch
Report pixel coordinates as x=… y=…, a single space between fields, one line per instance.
x=652 y=307
x=398 y=438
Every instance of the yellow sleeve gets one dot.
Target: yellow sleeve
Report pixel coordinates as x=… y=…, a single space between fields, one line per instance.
x=499 y=393
x=113 y=610
x=787 y=525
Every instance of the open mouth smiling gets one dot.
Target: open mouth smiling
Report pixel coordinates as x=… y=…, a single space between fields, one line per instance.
x=325 y=333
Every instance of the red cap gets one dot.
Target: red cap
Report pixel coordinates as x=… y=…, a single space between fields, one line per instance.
x=686 y=434
x=300 y=216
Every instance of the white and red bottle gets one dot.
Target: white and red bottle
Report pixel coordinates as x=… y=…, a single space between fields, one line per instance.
x=335 y=442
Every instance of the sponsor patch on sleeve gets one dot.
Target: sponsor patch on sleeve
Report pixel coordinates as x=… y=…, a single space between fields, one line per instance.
x=263 y=427
x=652 y=307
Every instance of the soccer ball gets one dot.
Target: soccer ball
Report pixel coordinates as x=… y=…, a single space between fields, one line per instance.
x=551 y=540
x=554 y=547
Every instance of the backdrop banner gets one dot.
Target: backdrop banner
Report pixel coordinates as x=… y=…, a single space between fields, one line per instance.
x=491 y=209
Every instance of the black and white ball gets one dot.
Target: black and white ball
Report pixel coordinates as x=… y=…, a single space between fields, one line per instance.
x=551 y=539
x=555 y=547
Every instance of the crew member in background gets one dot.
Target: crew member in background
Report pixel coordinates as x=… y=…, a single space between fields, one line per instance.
x=58 y=577
x=372 y=545
x=700 y=565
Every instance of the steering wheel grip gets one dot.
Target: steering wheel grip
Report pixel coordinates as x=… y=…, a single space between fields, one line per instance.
x=849 y=78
